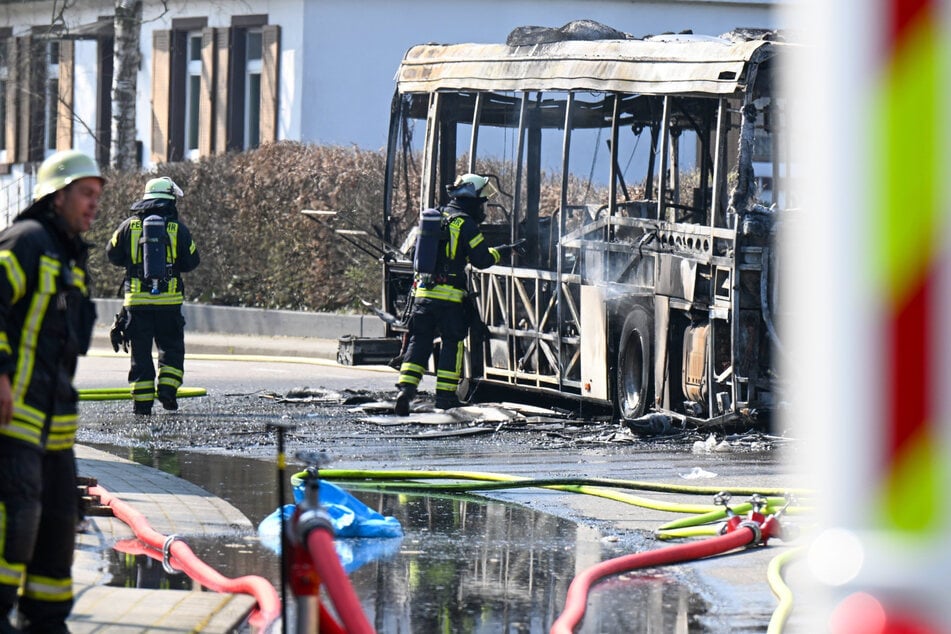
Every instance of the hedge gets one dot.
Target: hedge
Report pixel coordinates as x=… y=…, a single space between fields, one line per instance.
x=257 y=248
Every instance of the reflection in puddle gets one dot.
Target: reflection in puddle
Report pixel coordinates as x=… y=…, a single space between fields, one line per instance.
x=465 y=564
x=232 y=555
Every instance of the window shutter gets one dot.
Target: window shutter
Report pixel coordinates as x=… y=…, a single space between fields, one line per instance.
x=206 y=105
x=270 y=74
x=161 y=81
x=105 y=47
x=23 y=89
x=39 y=73
x=64 y=114
x=222 y=89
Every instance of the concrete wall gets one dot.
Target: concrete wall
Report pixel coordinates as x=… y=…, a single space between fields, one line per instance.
x=264 y=322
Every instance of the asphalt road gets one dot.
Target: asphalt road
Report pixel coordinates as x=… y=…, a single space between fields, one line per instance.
x=243 y=393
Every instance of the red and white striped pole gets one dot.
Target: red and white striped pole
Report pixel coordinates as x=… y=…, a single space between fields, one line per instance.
x=874 y=362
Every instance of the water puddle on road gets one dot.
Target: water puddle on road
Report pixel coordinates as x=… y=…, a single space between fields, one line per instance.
x=465 y=564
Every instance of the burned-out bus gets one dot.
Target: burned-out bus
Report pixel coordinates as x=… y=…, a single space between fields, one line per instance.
x=647 y=176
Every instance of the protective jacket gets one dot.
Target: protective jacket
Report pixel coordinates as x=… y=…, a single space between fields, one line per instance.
x=181 y=255
x=462 y=243
x=438 y=305
x=46 y=322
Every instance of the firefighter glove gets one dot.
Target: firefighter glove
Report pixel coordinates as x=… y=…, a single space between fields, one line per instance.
x=119 y=335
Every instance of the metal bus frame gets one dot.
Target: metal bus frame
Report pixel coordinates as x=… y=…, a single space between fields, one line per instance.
x=647 y=296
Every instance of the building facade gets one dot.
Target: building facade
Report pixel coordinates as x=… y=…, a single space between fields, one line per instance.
x=217 y=76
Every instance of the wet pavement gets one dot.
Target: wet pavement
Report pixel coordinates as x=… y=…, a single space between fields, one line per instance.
x=106 y=600
x=500 y=561
x=464 y=564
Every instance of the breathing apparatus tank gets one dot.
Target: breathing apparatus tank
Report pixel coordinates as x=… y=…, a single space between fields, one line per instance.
x=153 y=251
x=427 y=242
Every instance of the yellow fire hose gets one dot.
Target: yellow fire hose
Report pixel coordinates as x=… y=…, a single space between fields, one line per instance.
x=125 y=393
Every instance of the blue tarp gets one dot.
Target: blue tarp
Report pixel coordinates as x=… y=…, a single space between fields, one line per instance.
x=361 y=534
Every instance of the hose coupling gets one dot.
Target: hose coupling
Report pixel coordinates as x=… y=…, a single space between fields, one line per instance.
x=772 y=528
x=756 y=530
x=310 y=520
x=167 y=554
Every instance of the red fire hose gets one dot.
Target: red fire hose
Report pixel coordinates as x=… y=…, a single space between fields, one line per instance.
x=577 y=598
x=269 y=604
x=320 y=545
x=328 y=624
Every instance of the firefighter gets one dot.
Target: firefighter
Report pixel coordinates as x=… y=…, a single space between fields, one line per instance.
x=46 y=322
x=440 y=295
x=155 y=248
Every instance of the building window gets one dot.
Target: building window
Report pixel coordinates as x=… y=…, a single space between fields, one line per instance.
x=181 y=90
x=192 y=95
x=248 y=53
x=214 y=89
x=36 y=94
x=4 y=77
x=51 y=97
x=252 y=89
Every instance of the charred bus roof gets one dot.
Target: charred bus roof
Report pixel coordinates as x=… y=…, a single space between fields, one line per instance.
x=676 y=64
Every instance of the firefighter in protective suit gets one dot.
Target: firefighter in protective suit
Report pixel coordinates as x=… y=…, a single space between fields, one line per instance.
x=153 y=303
x=46 y=322
x=439 y=298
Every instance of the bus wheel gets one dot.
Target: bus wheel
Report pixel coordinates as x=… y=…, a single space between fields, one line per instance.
x=634 y=364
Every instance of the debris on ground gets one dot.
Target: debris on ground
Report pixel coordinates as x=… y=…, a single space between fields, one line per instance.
x=428 y=415
x=653 y=424
x=697 y=473
x=711 y=444
x=558 y=426
x=320 y=395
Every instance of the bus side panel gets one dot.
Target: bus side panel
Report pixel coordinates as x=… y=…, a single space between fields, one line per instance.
x=594 y=343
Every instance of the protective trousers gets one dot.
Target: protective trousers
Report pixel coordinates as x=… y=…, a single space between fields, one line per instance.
x=39 y=507
x=165 y=326
x=432 y=318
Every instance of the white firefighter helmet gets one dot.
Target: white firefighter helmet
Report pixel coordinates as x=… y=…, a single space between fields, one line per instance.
x=472 y=186
x=162 y=187
x=61 y=169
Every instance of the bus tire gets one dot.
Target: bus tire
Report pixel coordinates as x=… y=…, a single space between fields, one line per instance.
x=635 y=362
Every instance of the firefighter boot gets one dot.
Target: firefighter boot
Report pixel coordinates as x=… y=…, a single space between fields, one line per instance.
x=167 y=399
x=407 y=392
x=142 y=408
x=447 y=400
x=8 y=597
